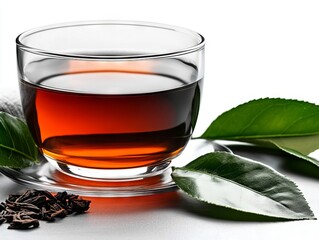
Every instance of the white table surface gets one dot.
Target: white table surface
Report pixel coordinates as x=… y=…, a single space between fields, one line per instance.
x=254 y=49
x=174 y=216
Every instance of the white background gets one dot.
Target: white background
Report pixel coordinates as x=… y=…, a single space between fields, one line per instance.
x=254 y=49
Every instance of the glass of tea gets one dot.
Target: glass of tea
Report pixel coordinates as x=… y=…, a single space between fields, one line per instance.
x=111 y=100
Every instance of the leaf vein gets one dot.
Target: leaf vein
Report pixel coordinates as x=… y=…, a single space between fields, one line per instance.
x=248 y=188
x=7 y=131
x=254 y=119
x=16 y=150
x=298 y=120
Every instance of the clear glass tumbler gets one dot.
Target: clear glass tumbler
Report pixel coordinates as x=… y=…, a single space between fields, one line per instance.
x=111 y=100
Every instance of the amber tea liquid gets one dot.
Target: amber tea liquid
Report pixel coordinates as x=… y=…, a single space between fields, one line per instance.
x=110 y=120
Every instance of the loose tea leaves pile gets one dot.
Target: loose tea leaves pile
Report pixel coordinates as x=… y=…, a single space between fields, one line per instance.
x=23 y=211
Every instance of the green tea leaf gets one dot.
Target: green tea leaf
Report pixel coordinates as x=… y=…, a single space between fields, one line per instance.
x=266 y=118
x=17 y=147
x=230 y=181
x=289 y=125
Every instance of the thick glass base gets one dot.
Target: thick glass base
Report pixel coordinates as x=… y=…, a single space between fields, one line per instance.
x=116 y=175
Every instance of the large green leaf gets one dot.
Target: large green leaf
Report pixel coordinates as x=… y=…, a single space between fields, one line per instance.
x=238 y=183
x=289 y=125
x=265 y=118
x=17 y=147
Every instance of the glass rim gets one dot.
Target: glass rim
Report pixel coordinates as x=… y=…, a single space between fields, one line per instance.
x=183 y=51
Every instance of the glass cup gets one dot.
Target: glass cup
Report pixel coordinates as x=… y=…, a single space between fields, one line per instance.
x=110 y=100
